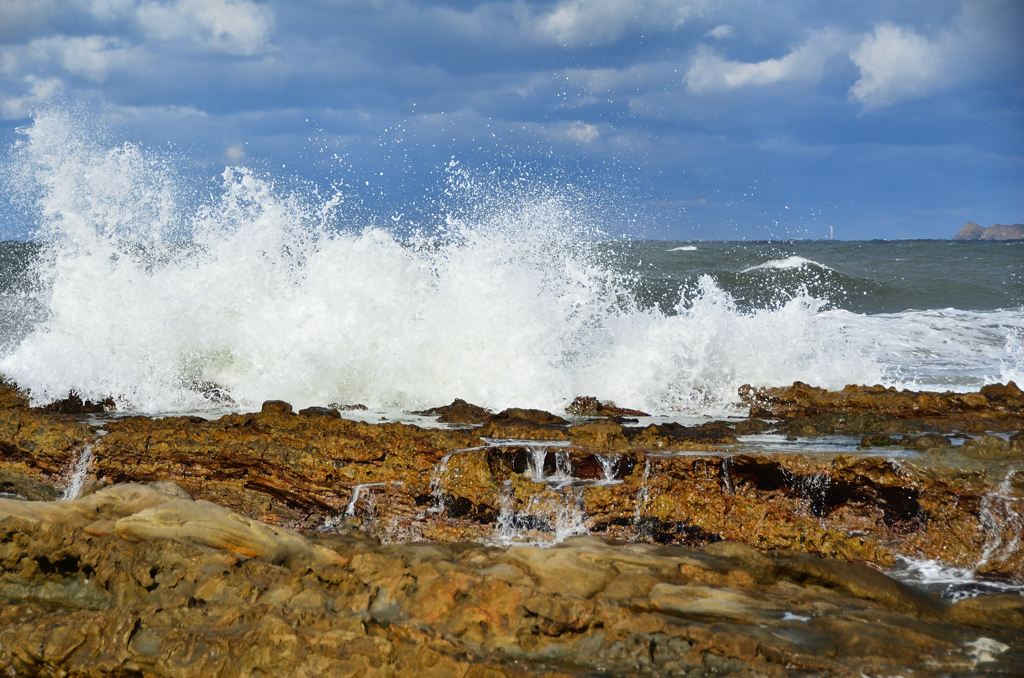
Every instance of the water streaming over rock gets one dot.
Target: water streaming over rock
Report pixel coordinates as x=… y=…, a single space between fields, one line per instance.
x=641 y=497
x=79 y=472
x=1002 y=516
x=546 y=519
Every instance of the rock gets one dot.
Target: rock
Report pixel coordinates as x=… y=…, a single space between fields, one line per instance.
x=856 y=580
x=459 y=412
x=587 y=406
x=850 y=424
x=107 y=503
x=84 y=604
x=676 y=436
x=320 y=412
x=74 y=404
x=276 y=407
x=11 y=398
x=929 y=441
x=997 y=611
x=538 y=417
x=524 y=424
x=972 y=231
x=205 y=524
x=602 y=436
x=1004 y=410
x=992 y=447
x=763 y=568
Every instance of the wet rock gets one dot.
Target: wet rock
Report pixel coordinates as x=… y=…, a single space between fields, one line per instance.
x=928 y=441
x=11 y=397
x=996 y=406
x=603 y=436
x=850 y=424
x=459 y=412
x=998 y=611
x=76 y=603
x=74 y=404
x=205 y=524
x=676 y=436
x=276 y=407
x=856 y=580
x=745 y=427
x=319 y=412
x=340 y=407
x=524 y=424
x=587 y=406
x=761 y=567
x=107 y=503
x=992 y=447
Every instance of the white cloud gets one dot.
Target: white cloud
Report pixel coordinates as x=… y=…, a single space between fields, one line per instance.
x=40 y=91
x=230 y=26
x=583 y=133
x=721 y=32
x=235 y=153
x=604 y=21
x=897 y=64
x=108 y=10
x=711 y=72
x=91 y=57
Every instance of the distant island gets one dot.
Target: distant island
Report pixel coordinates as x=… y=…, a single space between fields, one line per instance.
x=972 y=231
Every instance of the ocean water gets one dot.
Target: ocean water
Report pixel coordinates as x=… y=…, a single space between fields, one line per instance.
x=169 y=297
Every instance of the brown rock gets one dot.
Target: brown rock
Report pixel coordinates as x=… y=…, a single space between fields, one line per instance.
x=205 y=524
x=856 y=580
x=587 y=406
x=997 y=611
x=459 y=412
x=603 y=436
x=1004 y=411
x=276 y=407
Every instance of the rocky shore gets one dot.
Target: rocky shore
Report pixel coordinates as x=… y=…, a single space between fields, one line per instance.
x=597 y=541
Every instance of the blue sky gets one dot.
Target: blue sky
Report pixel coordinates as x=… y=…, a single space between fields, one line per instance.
x=683 y=119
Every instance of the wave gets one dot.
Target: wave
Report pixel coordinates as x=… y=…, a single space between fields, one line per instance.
x=786 y=264
x=684 y=248
x=255 y=294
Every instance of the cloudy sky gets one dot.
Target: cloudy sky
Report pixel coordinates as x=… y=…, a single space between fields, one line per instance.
x=695 y=118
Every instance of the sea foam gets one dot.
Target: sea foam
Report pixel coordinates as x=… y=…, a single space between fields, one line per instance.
x=257 y=294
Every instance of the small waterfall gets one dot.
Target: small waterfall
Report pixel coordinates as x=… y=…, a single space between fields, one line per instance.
x=547 y=519
x=608 y=464
x=350 y=510
x=1000 y=516
x=436 y=491
x=641 y=496
x=538 y=455
x=538 y=459
x=79 y=471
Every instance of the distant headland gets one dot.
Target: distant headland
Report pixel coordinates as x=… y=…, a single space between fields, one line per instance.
x=972 y=231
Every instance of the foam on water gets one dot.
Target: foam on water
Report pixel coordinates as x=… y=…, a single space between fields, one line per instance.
x=785 y=264
x=510 y=304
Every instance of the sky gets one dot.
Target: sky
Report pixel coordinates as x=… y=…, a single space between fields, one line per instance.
x=684 y=119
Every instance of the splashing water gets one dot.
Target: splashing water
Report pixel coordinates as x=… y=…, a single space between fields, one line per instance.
x=256 y=295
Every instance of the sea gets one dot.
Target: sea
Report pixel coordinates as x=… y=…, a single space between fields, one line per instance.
x=140 y=285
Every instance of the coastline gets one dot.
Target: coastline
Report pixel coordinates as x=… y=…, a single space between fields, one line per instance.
x=663 y=550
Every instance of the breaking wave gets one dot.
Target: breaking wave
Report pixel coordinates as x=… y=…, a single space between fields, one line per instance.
x=257 y=294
